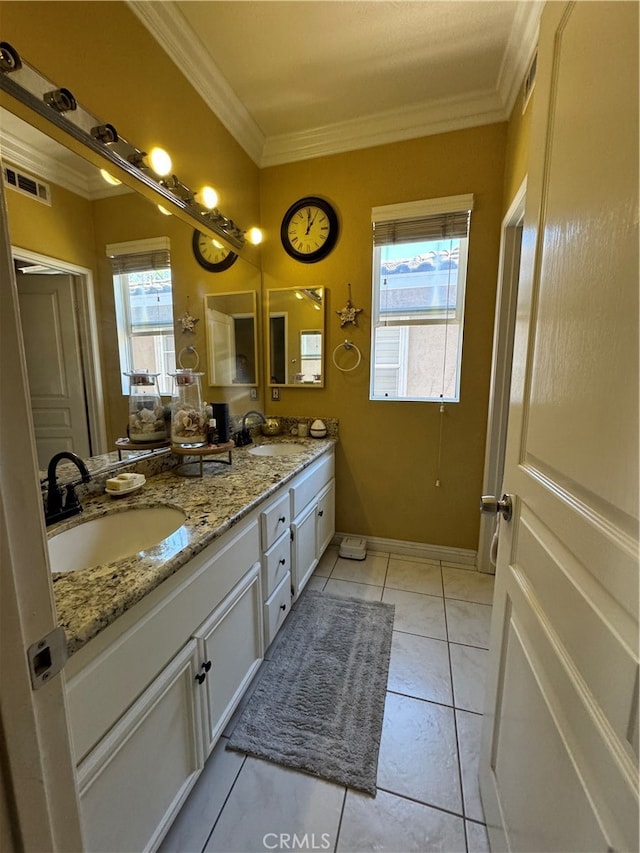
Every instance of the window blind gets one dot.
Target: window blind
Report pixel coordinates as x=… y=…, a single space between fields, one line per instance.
x=158 y=259
x=442 y=226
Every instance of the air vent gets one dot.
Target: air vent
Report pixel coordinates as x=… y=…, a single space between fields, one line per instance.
x=26 y=184
x=529 y=80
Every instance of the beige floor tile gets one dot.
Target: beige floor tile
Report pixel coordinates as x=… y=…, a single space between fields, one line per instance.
x=477 y=838
x=372 y=569
x=414 y=577
x=365 y=591
x=200 y=811
x=419 y=667
x=468 y=585
x=390 y=823
x=268 y=800
x=418 y=753
x=316 y=582
x=468 y=623
x=417 y=613
x=327 y=562
x=469 y=734
x=468 y=669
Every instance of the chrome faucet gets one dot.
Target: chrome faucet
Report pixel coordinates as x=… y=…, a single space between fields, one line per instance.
x=62 y=501
x=243 y=437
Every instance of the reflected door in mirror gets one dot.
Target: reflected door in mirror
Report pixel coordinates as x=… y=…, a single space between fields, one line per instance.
x=231 y=338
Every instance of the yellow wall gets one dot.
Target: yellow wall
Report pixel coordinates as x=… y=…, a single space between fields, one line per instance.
x=388 y=451
x=517 y=149
x=386 y=462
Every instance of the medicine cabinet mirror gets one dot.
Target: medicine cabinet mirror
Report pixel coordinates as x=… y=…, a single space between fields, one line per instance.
x=231 y=338
x=295 y=336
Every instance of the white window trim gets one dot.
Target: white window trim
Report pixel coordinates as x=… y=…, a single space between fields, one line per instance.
x=415 y=210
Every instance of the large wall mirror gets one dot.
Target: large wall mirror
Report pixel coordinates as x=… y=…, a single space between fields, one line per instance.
x=62 y=215
x=232 y=345
x=295 y=336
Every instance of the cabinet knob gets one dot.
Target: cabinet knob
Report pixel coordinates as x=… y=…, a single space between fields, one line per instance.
x=282 y=519
x=283 y=607
x=206 y=666
x=282 y=562
x=200 y=677
x=320 y=513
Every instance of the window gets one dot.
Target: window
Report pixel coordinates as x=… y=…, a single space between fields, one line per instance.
x=419 y=276
x=144 y=308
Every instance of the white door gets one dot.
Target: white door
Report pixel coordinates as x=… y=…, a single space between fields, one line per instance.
x=559 y=764
x=38 y=773
x=222 y=361
x=54 y=365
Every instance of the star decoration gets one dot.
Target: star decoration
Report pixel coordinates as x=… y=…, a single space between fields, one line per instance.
x=349 y=314
x=188 y=322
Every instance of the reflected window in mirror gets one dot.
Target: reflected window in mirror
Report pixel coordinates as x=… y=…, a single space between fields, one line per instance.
x=231 y=329
x=141 y=272
x=295 y=336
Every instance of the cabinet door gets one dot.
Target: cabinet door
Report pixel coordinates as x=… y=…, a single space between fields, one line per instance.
x=276 y=609
x=325 y=517
x=134 y=781
x=304 y=550
x=231 y=648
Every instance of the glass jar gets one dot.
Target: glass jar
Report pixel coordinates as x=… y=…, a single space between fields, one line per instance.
x=188 y=414
x=146 y=412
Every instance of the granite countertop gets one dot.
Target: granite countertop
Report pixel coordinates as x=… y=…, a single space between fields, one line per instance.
x=88 y=600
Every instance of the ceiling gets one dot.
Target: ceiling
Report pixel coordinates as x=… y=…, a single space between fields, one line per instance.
x=294 y=79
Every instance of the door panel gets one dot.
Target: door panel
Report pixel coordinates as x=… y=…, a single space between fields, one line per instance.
x=559 y=768
x=54 y=365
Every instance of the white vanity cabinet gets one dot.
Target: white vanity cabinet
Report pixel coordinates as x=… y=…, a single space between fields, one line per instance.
x=150 y=695
x=312 y=495
x=276 y=563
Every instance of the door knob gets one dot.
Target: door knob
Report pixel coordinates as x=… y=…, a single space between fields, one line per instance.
x=492 y=506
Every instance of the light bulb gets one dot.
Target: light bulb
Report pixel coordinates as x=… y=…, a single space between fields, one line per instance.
x=164 y=210
x=109 y=178
x=254 y=235
x=317 y=307
x=299 y=295
x=160 y=161
x=209 y=197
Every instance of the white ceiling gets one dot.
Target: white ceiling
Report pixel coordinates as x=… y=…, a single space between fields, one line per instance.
x=293 y=79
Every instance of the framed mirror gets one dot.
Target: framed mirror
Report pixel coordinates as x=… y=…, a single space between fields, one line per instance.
x=61 y=216
x=232 y=346
x=295 y=336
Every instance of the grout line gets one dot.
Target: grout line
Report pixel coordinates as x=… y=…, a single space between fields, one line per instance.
x=339 y=829
x=455 y=725
x=226 y=800
x=422 y=803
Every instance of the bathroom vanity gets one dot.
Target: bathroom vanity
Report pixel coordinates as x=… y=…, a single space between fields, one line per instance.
x=150 y=694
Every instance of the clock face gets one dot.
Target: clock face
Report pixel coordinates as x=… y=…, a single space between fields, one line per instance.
x=211 y=254
x=309 y=229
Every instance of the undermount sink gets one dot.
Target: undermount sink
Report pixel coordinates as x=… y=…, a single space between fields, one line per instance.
x=276 y=449
x=102 y=540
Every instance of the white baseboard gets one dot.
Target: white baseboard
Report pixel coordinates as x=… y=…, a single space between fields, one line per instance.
x=462 y=556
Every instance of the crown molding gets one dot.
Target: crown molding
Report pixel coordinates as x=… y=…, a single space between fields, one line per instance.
x=171 y=31
x=523 y=40
x=175 y=36
x=424 y=119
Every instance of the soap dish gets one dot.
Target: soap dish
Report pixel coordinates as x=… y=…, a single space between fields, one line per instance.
x=135 y=482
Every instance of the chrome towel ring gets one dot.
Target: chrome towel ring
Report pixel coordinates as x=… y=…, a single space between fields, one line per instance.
x=347 y=345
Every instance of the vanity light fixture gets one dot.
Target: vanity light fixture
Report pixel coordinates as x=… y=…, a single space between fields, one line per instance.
x=178 y=188
x=209 y=197
x=59 y=107
x=254 y=236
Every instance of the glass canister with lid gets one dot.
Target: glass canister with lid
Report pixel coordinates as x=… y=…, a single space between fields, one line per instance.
x=188 y=414
x=146 y=412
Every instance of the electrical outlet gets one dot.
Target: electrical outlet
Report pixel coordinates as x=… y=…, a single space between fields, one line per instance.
x=275 y=394
x=253 y=393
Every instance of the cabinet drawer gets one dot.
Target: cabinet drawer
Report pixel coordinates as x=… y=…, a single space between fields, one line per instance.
x=274 y=520
x=276 y=563
x=306 y=487
x=276 y=609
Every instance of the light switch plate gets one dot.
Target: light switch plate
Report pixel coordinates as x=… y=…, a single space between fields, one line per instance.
x=253 y=393
x=275 y=394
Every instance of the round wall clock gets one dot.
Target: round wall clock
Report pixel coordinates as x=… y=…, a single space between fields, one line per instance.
x=309 y=229
x=211 y=254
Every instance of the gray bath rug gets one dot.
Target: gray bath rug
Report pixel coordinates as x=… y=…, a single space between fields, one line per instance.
x=319 y=705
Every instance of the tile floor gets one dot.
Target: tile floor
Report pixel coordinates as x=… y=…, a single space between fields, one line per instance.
x=427 y=797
